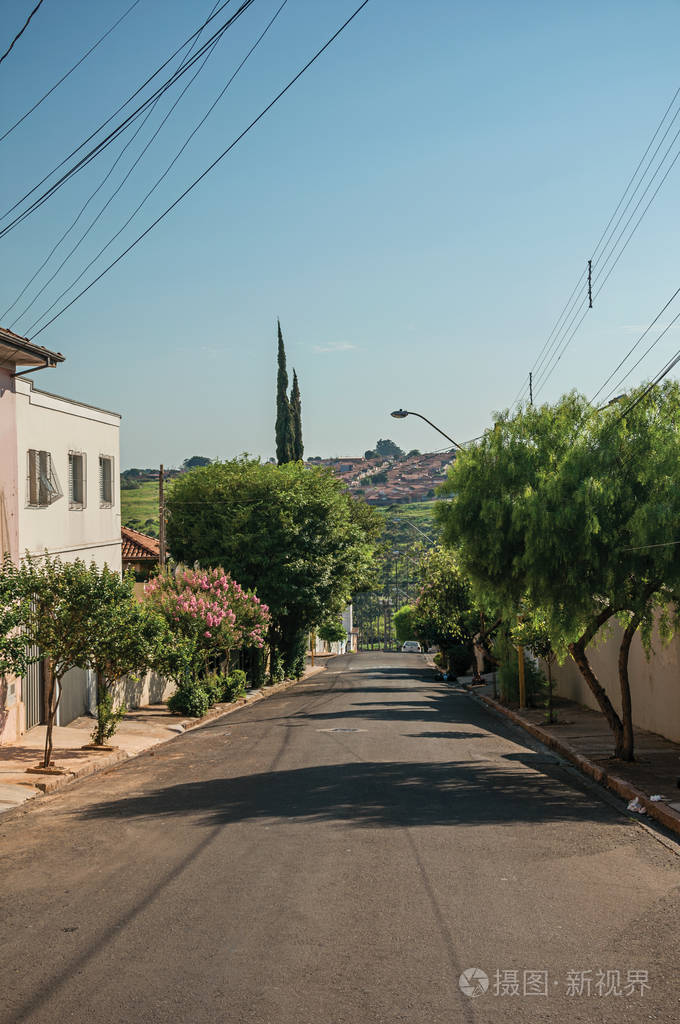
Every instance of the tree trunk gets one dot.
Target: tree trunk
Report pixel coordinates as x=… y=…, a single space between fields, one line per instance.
x=578 y=653
x=52 y=703
x=100 y=710
x=626 y=750
x=550 y=688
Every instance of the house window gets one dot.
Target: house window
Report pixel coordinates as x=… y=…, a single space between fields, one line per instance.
x=105 y=481
x=42 y=485
x=77 y=480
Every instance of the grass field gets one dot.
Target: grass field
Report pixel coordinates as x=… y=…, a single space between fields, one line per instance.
x=139 y=508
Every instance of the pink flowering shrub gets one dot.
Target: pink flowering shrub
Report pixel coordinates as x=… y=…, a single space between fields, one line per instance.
x=210 y=610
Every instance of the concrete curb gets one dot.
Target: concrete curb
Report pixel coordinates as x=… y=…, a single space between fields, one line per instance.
x=53 y=784
x=658 y=810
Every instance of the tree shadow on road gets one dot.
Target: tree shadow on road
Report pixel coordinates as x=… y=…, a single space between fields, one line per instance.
x=375 y=794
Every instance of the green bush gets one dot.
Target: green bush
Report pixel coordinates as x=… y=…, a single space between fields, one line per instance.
x=214 y=688
x=459 y=659
x=190 y=700
x=234 y=685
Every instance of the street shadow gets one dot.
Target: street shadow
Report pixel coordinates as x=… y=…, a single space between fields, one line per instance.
x=446 y=735
x=373 y=794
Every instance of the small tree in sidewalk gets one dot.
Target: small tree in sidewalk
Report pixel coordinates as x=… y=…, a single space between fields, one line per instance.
x=123 y=638
x=56 y=600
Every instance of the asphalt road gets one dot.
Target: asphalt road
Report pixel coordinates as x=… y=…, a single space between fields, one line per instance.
x=340 y=852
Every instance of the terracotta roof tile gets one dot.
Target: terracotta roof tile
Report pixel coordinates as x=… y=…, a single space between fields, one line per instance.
x=138 y=547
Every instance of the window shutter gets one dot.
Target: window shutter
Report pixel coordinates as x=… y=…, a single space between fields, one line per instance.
x=71 y=496
x=83 y=487
x=102 y=489
x=32 y=477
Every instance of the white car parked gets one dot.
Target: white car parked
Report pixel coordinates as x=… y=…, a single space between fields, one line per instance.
x=411 y=647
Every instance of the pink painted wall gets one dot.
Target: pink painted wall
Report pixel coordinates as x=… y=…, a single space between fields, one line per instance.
x=11 y=707
x=9 y=469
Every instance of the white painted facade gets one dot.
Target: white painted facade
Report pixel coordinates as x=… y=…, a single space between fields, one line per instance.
x=46 y=506
x=89 y=530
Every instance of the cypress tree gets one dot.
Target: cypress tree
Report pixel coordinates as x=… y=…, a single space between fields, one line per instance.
x=284 y=417
x=296 y=413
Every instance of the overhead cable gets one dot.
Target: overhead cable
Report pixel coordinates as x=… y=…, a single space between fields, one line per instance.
x=124 y=124
x=158 y=181
x=210 y=167
x=70 y=71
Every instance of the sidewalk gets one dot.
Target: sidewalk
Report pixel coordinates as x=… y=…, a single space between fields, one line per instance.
x=583 y=737
x=140 y=729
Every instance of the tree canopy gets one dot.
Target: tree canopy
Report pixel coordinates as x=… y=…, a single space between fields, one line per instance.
x=289 y=532
x=388 y=449
x=567 y=513
x=284 y=415
x=196 y=460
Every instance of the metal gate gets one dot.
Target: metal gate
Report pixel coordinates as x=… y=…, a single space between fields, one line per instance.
x=33 y=691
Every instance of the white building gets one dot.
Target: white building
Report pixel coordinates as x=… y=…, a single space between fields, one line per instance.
x=59 y=492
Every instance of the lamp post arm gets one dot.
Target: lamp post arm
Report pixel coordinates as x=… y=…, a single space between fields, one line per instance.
x=434 y=427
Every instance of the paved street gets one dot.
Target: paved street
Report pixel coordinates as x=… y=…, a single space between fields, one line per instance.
x=340 y=852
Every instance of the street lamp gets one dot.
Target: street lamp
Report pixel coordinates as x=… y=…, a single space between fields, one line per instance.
x=401 y=414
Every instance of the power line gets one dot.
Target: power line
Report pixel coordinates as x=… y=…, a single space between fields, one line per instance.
x=554 y=347
x=657 y=380
x=20 y=32
x=113 y=194
x=211 y=166
x=632 y=349
x=70 y=71
x=124 y=124
x=623 y=230
x=646 y=352
x=167 y=169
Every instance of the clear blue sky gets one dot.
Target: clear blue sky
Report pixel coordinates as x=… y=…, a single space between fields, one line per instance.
x=416 y=211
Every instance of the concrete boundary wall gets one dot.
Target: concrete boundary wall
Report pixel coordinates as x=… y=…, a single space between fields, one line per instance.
x=654 y=684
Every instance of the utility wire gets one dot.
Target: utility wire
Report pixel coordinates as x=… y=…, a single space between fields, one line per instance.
x=20 y=32
x=650 y=387
x=69 y=72
x=211 y=166
x=158 y=181
x=547 y=353
x=167 y=84
x=631 y=350
x=113 y=194
x=646 y=353
x=566 y=344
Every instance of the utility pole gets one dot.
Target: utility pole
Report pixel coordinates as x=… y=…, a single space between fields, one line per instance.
x=531 y=388
x=161 y=521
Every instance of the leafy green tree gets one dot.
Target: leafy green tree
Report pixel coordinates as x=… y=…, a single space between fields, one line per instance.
x=284 y=417
x=13 y=612
x=370 y=453
x=296 y=415
x=404 y=623
x=332 y=631
x=388 y=449
x=58 y=599
x=123 y=638
x=445 y=612
x=569 y=512
x=195 y=461
x=289 y=532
